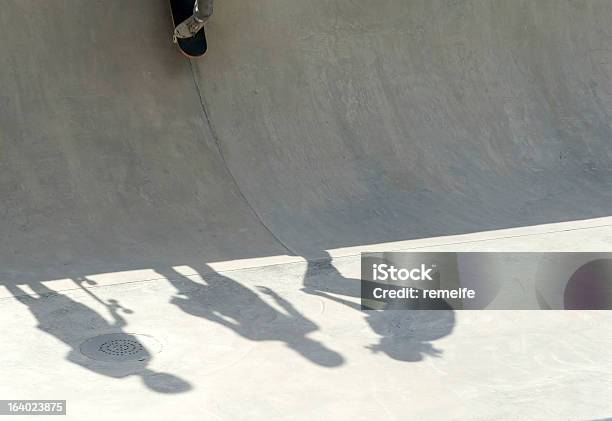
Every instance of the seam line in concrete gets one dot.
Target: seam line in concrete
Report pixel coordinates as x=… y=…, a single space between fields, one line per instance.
x=500 y=238
x=215 y=137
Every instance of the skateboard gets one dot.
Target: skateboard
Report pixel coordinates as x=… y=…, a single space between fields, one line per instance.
x=196 y=45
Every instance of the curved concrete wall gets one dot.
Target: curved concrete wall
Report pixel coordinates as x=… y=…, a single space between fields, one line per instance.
x=308 y=126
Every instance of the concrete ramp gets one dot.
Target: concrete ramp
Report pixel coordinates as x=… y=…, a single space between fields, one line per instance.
x=309 y=126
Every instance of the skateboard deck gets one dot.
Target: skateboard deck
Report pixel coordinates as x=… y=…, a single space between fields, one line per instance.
x=195 y=46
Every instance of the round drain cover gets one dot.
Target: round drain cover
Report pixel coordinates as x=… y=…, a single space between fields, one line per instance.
x=120 y=347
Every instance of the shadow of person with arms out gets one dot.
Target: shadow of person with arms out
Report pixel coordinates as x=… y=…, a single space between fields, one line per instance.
x=225 y=301
x=405 y=335
x=72 y=322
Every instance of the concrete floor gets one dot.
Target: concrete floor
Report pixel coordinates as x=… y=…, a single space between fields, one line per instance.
x=201 y=202
x=288 y=341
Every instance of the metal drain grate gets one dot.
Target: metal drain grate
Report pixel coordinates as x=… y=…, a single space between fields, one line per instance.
x=120 y=347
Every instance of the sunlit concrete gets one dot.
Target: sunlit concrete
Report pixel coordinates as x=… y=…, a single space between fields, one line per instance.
x=201 y=202
x=267 y=343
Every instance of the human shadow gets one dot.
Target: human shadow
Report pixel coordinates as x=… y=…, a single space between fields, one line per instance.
x=228 y=303
x=72 y=322
x=405 y=335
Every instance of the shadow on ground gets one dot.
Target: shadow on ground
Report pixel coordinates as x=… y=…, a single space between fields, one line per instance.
x=225 y=301
x=72 y=323
x=405 y=335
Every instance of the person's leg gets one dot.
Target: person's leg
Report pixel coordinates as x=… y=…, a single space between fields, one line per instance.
x=202 y=11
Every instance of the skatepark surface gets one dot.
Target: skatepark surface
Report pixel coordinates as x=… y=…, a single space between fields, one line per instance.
x=220 y=205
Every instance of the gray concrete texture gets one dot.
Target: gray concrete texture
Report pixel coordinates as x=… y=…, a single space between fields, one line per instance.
x=309 y=126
